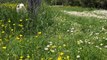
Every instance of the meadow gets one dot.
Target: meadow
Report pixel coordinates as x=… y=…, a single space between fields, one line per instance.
x=52 y=35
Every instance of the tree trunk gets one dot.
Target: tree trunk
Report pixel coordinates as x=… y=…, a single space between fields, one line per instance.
x=33 y=6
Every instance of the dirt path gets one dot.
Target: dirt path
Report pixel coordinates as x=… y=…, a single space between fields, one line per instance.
x=102 y=14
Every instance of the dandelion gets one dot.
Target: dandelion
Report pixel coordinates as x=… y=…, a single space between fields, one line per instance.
x=14 y=24
x=2 y=25
x=3 y=32
x=17 y=38
x=53 y=46
x=42 y=58
x=68 y=58
x=59 y=58
x=36 y=36
x=4 y=47
x=9 y=21
x=20 y=25
x=28 y=56
x=26 y=19
x=64 y=45
x=20 y=20
x=20 y=35
x=21 y=57
x=11 y=29
x=50 y=59
x=61 y=53
x=39 y=33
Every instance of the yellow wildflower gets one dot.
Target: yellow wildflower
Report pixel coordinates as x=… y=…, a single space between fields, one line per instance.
x=39 y=33
x=53 y=46
x=36 y=36
x=9 y=21
x=26 y=19
x=50 y=59
x=2 y=25
x=11 y=29
x=61 y=53
x=59 y=58
x=20 y=25
x=21 y=57
x=17 y=38
x=14 y=24
x=20 y=20
x=20 y=35
x=42 y=59
x=68 y=58
x=3 y=32
x=28 y=56
x=4 y=47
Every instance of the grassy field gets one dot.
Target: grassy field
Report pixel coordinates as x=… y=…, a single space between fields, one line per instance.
x=53 y=35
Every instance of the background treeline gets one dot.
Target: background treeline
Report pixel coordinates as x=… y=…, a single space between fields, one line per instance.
x=84 y=3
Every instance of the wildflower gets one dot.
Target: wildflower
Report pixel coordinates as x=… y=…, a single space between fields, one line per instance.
x=11 y=29
x=21 y=57
x=2 y=25
x=68 y=58
x=4 y=47
x=64 y=45
x=14 y=24
x=20 y=20
x=52 y=50
x=105 y=46
x=48 y=45
x=39 y=33
x=20 y=25
x=50 y=58
x=26 y=19
x=61 y=53
x=101 y=44
x=28 y=56
x=36 y=36
x=3 y=32
x=20 y=35
x=53 y=46
x=46 y=49
x=9 y=21
x=59 y=58
x=42 y=58
x=78 y=56
x=17 y=38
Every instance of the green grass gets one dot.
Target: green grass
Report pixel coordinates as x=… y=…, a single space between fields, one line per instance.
x=67 y=37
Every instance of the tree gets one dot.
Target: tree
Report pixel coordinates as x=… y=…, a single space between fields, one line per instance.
x=33 y=6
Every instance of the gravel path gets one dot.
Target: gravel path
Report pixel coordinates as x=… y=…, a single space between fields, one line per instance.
x=102 y=14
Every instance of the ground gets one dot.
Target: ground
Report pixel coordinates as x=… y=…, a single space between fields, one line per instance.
x=71 y=37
